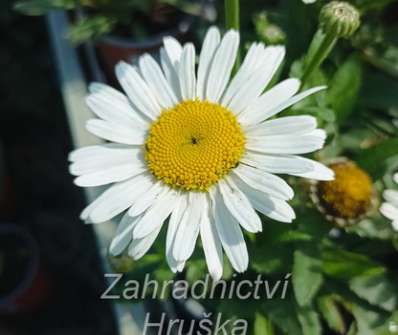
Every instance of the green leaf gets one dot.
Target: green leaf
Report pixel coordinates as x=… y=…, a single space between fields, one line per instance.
x=90 y=28
x=262 y=326
x=342 y=264
x=331 y=313
x=374 y=159
x=307 y=277
x=41 y=7
x=367 y=320
x=378 y=290
x=309 y=321
x=271 y=259
x=344 y=88
x=284 y=315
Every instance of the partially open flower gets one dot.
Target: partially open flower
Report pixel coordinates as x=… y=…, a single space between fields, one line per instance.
x=339 y=18
x=348 y=197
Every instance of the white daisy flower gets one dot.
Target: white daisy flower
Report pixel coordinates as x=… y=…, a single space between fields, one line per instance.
x=390 y=208
x=193 y=146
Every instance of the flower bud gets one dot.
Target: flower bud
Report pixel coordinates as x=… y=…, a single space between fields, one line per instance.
x=268 y=32
x=339 y=18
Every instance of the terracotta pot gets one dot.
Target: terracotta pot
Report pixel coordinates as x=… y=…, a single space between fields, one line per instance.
x=24 y=284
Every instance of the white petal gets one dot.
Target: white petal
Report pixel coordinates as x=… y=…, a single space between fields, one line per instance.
x=188 y=229
x=109 y=175
x=173 y=49
x=230 y=234
x=276 y=164
x=288 y=144
x=170 y=72
x=123 y=235
x=239 y=206
x=156 y=81
x=211 y=244
x=137 y=90
x=174 y=222
x=391 y=196
x=389 y=211
x=318 y=170
x=139 y=247
x=147 y=199
x=297 y=125
x=106 y=103
x=155 y=215
x=284 y=105
x=258 y=81
x=115 y=132
x=272 y=207
x=119 y=197
x=263 y=107
x=395 y=177
x=250 y=64
x=210 y=44
x=99 y=157
x=186 y=72
x=221 y=67
x=264 y=182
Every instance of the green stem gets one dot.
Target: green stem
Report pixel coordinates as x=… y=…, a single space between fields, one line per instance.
x=232 y=20
x=324 y=49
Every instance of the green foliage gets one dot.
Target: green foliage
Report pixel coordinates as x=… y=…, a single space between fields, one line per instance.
x=307 y=276
x=103 y=16
x=91 y=28
x=310 y=322
x=374 y=159
x=330 y=311
x=344 y=88
x=41 y=7
x=262 y=326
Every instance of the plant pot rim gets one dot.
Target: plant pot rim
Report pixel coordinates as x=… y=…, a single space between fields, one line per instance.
x=32 y=266
x=151 y=41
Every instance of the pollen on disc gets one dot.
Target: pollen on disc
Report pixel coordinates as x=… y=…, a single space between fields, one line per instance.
x=193 y=145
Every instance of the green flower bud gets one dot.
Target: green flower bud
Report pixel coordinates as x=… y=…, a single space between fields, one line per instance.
x=339 y=18
x=268 y=32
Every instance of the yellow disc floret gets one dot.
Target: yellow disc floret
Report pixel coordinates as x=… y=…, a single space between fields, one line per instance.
x=349 y=195
x=193 y=145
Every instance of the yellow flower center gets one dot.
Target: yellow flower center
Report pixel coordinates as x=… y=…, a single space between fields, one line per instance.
x=349 y=195
x=193 y=145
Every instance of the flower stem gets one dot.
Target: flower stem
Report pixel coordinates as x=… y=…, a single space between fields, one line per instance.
x=232 y=20
x=323 y=50
x=232 y=14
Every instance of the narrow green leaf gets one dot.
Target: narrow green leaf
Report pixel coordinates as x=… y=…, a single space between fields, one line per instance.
x=331 y=313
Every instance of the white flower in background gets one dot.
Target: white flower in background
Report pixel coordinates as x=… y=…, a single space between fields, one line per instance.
x=390 y=208
x=192 y=146
x=309 y=1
